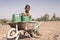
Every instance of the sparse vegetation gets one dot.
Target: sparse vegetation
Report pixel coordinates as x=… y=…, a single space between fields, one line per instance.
x=47 y=18
x=4 y=21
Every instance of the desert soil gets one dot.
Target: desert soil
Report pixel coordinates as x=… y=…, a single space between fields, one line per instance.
x=48 y=30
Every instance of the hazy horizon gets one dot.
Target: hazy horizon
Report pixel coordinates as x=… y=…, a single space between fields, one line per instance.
x=38 y=7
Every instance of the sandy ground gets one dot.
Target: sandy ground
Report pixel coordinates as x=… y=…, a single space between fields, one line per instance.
x=4 y=30
x=48 y=31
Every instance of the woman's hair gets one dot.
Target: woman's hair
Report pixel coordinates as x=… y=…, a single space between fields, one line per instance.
x=27 y=6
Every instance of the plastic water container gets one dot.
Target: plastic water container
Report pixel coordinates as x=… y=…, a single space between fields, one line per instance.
x=26 y=18
x=16 y=18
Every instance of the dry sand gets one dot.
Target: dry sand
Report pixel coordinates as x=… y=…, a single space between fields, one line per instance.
x=4 y=30
x=49 y=31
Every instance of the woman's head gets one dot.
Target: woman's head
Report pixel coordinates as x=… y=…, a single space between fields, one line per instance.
x=27 y=8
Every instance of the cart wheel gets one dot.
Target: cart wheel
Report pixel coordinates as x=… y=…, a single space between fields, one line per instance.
x=11 y=33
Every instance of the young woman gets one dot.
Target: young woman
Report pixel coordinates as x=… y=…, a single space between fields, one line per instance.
x=26 y=12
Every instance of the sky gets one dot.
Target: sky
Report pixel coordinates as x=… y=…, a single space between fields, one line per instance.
x=38 y=7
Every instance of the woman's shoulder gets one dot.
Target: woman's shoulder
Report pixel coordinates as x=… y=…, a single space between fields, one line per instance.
x=24 y=13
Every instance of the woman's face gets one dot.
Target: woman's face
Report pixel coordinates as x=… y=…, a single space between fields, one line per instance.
x=27 y=9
